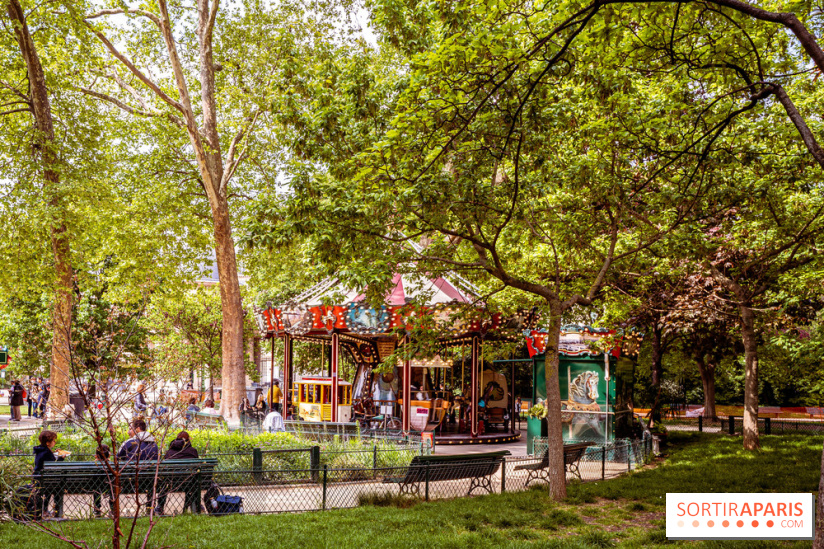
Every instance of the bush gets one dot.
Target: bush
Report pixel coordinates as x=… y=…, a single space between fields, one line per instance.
x=234 y=449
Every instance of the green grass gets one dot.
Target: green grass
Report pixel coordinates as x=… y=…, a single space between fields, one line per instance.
x=625 y=512
x=5 y=410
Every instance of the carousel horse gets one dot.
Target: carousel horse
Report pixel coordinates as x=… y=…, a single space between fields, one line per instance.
x=583 y=396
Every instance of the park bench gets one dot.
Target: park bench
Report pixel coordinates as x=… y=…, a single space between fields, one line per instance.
x=572 y=455
x=201 y=420
x=477 y=467
x=190 y=476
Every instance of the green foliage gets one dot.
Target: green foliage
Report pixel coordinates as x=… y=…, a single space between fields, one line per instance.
x=187 y=330
x=537 y=411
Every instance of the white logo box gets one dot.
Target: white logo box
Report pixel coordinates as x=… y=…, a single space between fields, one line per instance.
x=740 y=516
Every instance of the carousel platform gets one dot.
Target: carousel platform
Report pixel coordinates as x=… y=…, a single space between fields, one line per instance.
x=453 y=437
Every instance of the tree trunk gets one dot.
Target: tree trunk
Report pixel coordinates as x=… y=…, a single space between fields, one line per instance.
x=657 y=371
x=45 y=146
x=233 y=375
x=555 y=437
x=750 y=377
x=818 y=543
x=708 y=382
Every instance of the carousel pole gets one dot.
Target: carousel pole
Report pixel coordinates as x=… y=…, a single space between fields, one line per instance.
x=407 y=386
x=271 y=370
x=473 y=420
x=287 y=374
x=511 y=395
x=334 y=367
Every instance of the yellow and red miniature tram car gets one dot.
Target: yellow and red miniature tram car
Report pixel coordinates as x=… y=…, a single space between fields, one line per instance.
x=312 y=397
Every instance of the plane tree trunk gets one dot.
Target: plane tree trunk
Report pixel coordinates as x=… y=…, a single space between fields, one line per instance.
x=40 y=107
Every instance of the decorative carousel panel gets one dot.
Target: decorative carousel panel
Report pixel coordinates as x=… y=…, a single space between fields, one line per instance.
x=329 y=317
x=298 y=322
x=363 y=319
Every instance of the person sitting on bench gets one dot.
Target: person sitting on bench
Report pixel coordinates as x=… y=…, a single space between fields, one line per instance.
x=179 y=448
x=42 y=454
x=141 y=446
x=273 y=423
x=209 y=408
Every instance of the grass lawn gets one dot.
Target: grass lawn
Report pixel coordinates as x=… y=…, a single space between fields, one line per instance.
x=5 y=410
x=625 y=512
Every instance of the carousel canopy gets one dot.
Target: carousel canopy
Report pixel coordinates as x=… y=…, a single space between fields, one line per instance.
x=333 y=306
x=585 y=341
x=405 y=289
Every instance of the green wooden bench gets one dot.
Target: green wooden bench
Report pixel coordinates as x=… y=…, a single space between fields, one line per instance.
x=478 y=467
x=190 y=476
x=572 y=455
x=201 y=420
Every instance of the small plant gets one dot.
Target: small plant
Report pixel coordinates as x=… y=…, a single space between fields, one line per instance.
x=537 y=412
x=658 y=429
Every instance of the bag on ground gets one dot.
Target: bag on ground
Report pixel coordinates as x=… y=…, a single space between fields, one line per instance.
x=217 y=503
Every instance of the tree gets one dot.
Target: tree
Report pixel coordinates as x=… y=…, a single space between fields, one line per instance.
x=34 y=101
x=224 y=84
x=188 y=335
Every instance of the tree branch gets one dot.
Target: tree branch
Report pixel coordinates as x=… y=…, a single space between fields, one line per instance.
x=137 y=72
x=131 y=110
x=154 y=18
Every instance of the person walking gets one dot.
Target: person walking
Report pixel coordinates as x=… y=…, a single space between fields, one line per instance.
x=16 y=400
x=31 y=395
x=275 y=395
x=43 y=400
x=140 y=403
x=180 y=448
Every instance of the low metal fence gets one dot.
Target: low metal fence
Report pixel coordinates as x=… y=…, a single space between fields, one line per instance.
x=316 y=488
x=774 y=426
x=735 y=425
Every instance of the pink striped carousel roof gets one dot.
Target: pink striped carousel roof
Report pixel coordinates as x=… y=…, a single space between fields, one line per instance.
x=405 y=289
x=409 y=295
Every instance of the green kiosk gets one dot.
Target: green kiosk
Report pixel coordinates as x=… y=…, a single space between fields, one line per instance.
x=596 y=385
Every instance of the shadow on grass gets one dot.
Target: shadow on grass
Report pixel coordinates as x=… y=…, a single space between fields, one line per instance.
x=716 y=463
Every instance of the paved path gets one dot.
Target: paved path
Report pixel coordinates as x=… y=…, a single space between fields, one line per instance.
x=343 y=494
x=26 y=422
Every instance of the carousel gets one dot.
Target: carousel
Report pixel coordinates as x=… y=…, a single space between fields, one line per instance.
x=453 y=394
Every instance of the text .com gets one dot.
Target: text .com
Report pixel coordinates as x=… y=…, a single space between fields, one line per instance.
x=740 y=516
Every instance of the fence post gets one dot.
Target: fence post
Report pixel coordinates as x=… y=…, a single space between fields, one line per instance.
x=374 y=456
x=731 y=419
x=323 y=505
x=603 y=462
x=503 y=474
x=257 y=465
x=767 y=426
x=427 y=481
x=700 y=424
x=629 y=464
x=314 y=461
